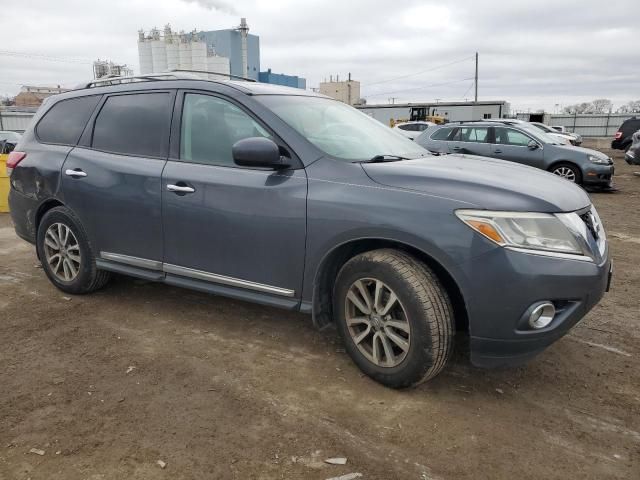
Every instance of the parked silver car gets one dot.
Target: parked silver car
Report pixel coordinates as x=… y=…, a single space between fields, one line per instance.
x=521 y=143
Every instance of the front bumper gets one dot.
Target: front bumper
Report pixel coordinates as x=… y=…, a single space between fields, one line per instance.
x=596 y=174
x=505 y=284
x=632 y=157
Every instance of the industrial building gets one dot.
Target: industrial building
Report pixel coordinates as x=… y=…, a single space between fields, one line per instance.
x=104 y=68
x=239 y=46
x=449 y=111
x=282 y=79
x=178 y=51
x=346 y=91
x=31 y=96
x=232 y=51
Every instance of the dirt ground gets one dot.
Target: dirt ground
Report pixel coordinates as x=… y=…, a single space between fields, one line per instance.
x=108 y=384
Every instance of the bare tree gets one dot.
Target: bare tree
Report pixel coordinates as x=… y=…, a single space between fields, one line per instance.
x=601 y=105
x=630 y=107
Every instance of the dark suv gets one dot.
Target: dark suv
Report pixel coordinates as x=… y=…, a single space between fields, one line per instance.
x=622 y=140
x=288 y=198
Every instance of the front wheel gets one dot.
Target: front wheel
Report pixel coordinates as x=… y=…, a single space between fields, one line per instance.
x=568 y=171
x=394 y=317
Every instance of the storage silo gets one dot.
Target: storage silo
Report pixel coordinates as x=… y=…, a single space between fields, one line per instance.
x=158 y=52
x=198 y=54
x=218 y=64
x=173 y=56
x=144 y=54
x=184 y=52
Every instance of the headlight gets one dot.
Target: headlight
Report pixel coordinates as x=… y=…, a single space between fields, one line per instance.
x=598 y=159
x=540 y=232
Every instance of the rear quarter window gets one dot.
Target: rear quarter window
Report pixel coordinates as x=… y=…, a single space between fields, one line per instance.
x=441 y=134
x=65 y=121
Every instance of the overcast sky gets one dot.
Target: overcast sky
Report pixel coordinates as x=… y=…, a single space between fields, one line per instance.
x=533 y=54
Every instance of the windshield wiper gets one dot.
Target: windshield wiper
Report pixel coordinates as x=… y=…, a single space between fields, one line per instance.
x=385 y=158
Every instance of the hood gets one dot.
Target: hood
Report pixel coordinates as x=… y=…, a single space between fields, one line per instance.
x=584 y=151
x=482 y=182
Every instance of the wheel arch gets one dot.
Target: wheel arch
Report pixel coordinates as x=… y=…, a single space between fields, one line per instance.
x=322 y=304
x=43 y=208
x=566 y=162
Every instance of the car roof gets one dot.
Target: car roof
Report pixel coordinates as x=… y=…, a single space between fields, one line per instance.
x=187 y=79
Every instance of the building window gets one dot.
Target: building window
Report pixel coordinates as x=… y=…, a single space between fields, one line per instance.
x=486 y=115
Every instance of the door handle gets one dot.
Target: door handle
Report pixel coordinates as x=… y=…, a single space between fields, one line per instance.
x=456 y=148
x=75 y=173
x=180 y=188
x=497 y=151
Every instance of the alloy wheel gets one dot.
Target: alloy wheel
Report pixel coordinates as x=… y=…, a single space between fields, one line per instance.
x=377 y=322
x=566 y=173
x=62 y=252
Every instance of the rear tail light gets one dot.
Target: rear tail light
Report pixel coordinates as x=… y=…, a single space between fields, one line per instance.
x=14 y=159
x=618 y=135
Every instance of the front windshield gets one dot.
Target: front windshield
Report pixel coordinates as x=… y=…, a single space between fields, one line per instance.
x=539 y=134
x=340 y=130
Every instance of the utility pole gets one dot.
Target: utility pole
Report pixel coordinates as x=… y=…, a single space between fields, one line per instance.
x=476 y=80
x=392 y=100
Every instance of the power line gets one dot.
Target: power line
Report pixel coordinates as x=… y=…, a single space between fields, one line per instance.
x=48 y=58
x=420 y=88
x=471 y=85
x=420 y=72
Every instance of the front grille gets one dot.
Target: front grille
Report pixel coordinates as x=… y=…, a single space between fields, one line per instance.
x=589 y=221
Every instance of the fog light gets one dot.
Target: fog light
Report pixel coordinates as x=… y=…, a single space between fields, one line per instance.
x=542 y=315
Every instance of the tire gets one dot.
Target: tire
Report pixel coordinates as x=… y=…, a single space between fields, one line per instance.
x=77 y=257
x=426 y=319
x=560 y=169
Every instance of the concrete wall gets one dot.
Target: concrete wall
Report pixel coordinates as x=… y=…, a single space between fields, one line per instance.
x=587 y=125
x=15 y=121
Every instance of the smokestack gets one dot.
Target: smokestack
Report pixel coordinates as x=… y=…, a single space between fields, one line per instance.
x=244 y=32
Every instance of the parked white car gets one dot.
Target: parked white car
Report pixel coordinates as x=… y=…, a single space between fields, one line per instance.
x=573 y=138
x=562 y=138
x=412 y=129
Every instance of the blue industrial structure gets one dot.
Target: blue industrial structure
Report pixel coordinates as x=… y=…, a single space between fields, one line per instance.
x=228 y=43
x=282 y=79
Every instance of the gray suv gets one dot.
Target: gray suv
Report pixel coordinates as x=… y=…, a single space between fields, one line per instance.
x=521 y=142
x=291 y=199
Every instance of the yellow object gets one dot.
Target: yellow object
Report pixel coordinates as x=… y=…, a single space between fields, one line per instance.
x=4 y=184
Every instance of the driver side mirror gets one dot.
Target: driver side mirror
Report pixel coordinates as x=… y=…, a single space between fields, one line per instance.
x=533 y=145
x=258 y=152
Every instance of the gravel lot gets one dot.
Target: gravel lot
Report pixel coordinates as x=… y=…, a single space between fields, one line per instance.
x=108 y=384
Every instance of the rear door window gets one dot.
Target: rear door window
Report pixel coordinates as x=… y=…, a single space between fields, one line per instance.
x=508 y=136
x=64 y=122
x=475 y=134
x=134 y=124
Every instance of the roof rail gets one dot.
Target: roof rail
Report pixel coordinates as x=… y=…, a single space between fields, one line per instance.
x=178 y=74
x=117 y=80
x=228 y=75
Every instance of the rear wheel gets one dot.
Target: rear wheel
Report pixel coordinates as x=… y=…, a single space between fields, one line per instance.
x=66 y=254
x=567 y=171
x=394 y=317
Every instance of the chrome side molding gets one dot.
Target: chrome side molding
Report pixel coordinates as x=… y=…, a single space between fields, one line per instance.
x=224 y=280
x=196 y=274
x=133 y=261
